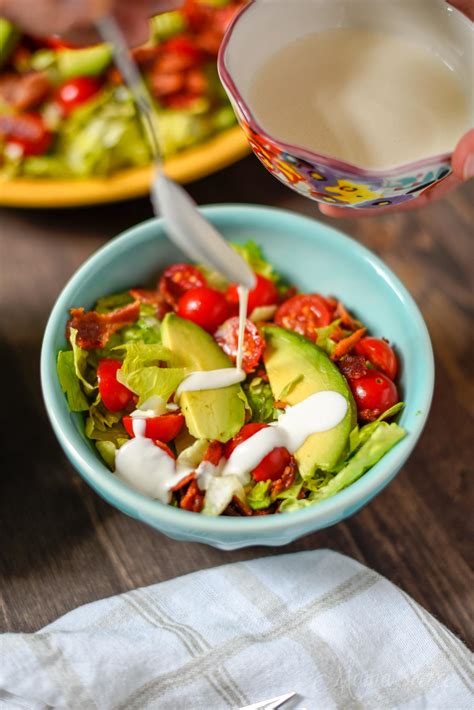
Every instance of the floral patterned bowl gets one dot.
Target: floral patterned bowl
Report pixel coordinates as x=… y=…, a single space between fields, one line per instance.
x=265 y=25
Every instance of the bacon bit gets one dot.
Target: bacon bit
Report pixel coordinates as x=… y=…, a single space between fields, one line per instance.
x=214 y=452
x=353 y=366
x=94 y=329
x=262 y=374
x=279 y=404
x=369 y=415
x=184 y=482
x=345 y=346
x=242 y=506
x=114 y=76
x=24 y=92
x=193 y=499
x=166 y=84
x=145 y=55
x=346 y=319
x=337 y=334
x=196 y=81
x=286 y=480
x=151 y=298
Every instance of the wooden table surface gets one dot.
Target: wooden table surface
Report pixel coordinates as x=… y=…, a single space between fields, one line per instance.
x=61 y=545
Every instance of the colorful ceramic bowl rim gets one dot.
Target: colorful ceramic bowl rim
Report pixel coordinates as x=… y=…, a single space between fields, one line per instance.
x=231 y=87
x=119 y=494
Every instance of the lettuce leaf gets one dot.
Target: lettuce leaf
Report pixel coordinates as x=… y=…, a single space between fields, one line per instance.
x=106 y=304
x=291 y=504
x=259 y=498
x=382 y=439
x=141 y=374
x=107 y=450
x=146 y=329
x=260 y=399
x=103 y=425
x=253 y=255
x=360 y=436
x=80 y=362
x=220 y=493
x=324 y=336
x=70 y=384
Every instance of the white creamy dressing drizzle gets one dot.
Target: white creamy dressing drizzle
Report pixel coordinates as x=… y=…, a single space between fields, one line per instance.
x=151 y=471
x=225 y=377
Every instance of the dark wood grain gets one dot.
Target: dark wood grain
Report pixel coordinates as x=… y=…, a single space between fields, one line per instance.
x=62 y=546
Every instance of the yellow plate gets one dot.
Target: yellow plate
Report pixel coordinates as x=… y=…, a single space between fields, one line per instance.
x=194 y=163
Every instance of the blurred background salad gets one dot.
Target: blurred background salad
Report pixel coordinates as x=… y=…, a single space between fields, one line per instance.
x=65 y=113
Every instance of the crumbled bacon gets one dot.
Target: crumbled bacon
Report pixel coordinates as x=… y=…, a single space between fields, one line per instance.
x=286 y=480
x=193 y=499
x=346 y=319
x=151 y=298
x=242 y=506
x=353 y=366
x=184 y=482
x=24 y=92
x=94 y=329
x=214 y=452
x=345 y=346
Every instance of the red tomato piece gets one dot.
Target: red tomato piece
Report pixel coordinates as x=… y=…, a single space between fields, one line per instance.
x=76 y=92
x=245 y=433
x=214 y=452
x=115 y=396
x=204 y=306
x=273 y=465
x=374 y=393
x=228 y=338
x=179 y=102
x=177 y=279
x=265 y=293
x=164 y=428
x=303 y=314
x=380 y=354
x=165 y=448
x=26 y=130
x=183 y=45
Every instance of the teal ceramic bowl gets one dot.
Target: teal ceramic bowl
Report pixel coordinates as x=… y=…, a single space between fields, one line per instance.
x=309 y=254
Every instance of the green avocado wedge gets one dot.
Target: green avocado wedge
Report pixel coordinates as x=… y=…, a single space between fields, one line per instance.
x=210 y=414
x=9 y=36
x=297 y=368
x=87 y=61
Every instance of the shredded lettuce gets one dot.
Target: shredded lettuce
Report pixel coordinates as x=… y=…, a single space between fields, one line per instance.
x=379 y=442
x=107 y=450
x=220 y=493
x=146 y=329
x=253 y=255
x=324 y=336
x=80 y=362
x=111 y=303
x=141 y=371
x=360 y=436
x=103 y=425
x=70 y=383
x=260 y=399
x=259 y=498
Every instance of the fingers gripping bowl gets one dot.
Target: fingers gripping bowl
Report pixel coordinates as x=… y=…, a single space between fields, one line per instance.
x=308 y=254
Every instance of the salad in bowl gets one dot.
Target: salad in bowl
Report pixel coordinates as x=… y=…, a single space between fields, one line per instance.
x=304 y=409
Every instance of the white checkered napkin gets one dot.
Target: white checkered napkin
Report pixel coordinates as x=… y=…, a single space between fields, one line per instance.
x=316 y=623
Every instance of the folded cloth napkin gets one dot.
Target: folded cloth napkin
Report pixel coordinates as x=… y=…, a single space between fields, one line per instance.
x=317 y=623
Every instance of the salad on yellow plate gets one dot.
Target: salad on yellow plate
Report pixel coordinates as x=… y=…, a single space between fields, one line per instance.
x=65 y=113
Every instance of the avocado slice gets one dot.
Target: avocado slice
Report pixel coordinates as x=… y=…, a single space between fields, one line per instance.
x=210 y=414
x=9 y=36
x=291 y=357
x=90 y=61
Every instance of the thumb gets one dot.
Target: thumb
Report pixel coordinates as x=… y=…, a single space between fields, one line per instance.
x=463 y=158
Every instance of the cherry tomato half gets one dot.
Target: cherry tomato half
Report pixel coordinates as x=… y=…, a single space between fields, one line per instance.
x=164 y=428
x=303 y=314
x=204 y=306
x=380 y=354
x=76 y=92
x=374 y=393
x=271 y=467
x=177 y=279
x=265 y=293
x=228 y=338
x=26 y=130
x=115 y=396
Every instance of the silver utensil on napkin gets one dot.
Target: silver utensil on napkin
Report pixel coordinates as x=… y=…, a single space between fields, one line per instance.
x=185 y=225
